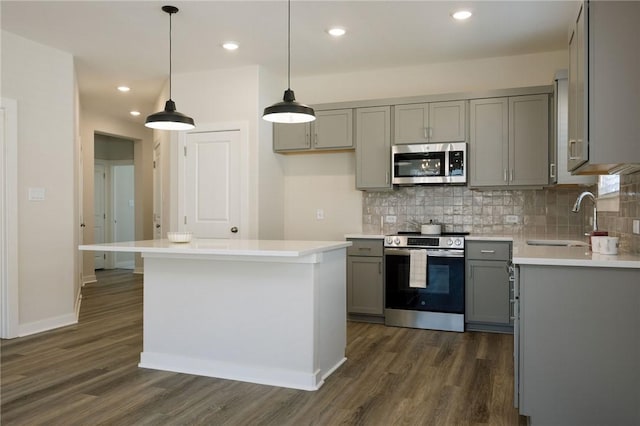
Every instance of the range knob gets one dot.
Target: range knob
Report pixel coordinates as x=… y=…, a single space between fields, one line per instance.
x=458 y=242
x=449 y=242
x=389 y=240
x=396 y=240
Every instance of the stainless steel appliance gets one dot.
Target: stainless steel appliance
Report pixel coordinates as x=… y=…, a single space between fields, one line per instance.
x=416 y=164
x=439 y=305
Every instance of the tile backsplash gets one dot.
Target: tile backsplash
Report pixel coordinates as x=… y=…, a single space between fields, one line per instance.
x=544 y=213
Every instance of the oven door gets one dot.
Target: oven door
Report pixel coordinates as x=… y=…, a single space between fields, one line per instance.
x=444 y=291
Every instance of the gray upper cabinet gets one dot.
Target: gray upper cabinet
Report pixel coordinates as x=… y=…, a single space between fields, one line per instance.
x=509 y=141
x=332 y=129
x=604 y=96
x=373 y=148
x=433 y=122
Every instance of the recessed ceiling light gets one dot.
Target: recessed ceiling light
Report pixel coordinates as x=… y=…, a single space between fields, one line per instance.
x=461 y=15
x=135 y=113
x=337 y=32
x=230 y=45
x=123 y=88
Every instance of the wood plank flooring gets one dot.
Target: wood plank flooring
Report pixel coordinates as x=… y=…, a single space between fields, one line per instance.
x=87 y=374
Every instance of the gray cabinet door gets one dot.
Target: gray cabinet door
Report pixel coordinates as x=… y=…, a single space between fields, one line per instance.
x=489 y=142
x=365 y=285
x=373 y=148
x=430 y=122
x=411 y=124
x=529 y=140
x=447 y=121
x=291 y=137
x=577 y=152
x=333 y=129
x=487 y=292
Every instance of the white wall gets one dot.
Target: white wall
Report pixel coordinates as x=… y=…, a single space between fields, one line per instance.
x=41 y=79
x=327 y=180
x=90 y=123
x=227 y=98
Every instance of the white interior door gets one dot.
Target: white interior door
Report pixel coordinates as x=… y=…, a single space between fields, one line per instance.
x=123 y=211
x=99 y=212
x=157 y=194
x=212 y=184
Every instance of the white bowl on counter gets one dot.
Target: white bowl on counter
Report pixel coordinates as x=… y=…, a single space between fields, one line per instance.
x=179 y=237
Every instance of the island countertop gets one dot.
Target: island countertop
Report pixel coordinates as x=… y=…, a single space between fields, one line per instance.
x=224 y=247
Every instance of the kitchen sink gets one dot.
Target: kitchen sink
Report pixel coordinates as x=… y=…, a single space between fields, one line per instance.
x=557 y=243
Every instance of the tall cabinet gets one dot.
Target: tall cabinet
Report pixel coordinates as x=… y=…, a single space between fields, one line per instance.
x=604 y=89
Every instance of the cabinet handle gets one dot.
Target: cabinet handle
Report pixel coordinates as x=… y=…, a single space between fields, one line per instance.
x=365 y=248
x=307 y=138
x=386 y=177
x=572 y=156
x=380 y=268
x=511 y=175
x=552 y=170
x=504 y=175
x=487 y=251
x=426 y=134
x=315 y=140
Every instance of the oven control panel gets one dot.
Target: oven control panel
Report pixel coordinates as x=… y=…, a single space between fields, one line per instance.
x=424 y=241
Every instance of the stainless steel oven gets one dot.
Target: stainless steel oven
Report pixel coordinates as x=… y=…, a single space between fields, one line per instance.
x=438 y=301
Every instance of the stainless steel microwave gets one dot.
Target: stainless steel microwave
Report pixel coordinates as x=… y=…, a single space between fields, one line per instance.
x=417 y=164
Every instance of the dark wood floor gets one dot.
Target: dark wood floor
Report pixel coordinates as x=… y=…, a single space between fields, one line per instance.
x=87 y=374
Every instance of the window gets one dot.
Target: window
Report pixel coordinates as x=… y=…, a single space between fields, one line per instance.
x=609 y=193
x=608 y=185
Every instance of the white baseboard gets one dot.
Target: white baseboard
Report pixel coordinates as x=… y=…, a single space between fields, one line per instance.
x=126 y=265
x=139 y=270
x=89 y=279
x=47 y=324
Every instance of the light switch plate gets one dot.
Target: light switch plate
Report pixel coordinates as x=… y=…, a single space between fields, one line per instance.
x=636 y=226
x=36 y=194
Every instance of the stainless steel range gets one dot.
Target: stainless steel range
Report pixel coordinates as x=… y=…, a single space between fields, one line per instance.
x=424 y=281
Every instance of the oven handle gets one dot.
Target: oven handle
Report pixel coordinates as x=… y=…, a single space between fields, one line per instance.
x=430 y=253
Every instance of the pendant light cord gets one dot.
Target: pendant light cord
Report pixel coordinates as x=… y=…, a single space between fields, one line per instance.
x=289 y=45
x=170 y=46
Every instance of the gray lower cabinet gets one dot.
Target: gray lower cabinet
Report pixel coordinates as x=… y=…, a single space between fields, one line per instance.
x=487 y=289
x=373 y=148
x=578 y=345
x=365 y=282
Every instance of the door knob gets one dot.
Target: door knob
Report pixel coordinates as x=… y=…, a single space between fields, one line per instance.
x=234 y=230
x=82 y=225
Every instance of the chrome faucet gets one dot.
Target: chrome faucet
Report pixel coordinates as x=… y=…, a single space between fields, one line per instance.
x=576 y=207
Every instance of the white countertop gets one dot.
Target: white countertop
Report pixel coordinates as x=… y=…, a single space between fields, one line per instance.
x=524 y=254
x=274 y=248
x=365 y=236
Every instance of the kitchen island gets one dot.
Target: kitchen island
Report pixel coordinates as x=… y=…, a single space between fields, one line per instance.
x=260 y=311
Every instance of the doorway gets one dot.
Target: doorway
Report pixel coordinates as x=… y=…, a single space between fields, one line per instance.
x=114 y=195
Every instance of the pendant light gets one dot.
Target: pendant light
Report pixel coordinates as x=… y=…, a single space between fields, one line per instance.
x=169 y=119
x=289 y=111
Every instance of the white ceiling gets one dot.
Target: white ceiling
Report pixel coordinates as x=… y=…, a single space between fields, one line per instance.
x=126 y=42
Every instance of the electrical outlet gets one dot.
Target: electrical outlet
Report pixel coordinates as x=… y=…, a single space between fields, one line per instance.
x=319 y=214
x=511 y=218
x=390 y=219
x=636 y=226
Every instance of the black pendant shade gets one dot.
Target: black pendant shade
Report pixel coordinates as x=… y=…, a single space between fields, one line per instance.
x=289 y=111
x=169 y=119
